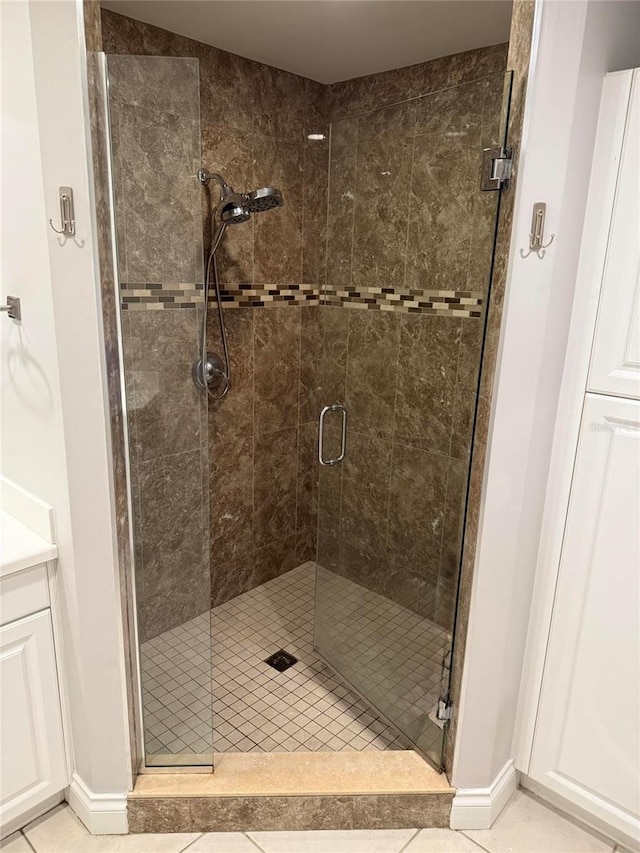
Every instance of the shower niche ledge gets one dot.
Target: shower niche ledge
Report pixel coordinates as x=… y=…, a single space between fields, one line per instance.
x=291 y=791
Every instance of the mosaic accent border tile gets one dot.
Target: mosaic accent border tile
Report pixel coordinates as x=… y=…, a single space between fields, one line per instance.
x=259 y=296
x=155 y=296
x=460 y=303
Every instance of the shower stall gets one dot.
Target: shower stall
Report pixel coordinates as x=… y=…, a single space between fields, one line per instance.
x=300 y=390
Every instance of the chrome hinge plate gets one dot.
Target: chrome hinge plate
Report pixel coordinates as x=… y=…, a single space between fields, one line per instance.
x=443 y=714
x=497 y=163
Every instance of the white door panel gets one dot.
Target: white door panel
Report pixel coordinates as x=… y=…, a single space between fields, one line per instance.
x=587 y=742
x=615 y=362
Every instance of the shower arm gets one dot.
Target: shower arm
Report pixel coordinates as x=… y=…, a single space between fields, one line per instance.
x=204 y=176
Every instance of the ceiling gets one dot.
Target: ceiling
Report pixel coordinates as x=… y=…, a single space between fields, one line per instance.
x=330 y=40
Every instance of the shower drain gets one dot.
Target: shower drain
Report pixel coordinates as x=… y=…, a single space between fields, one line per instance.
x=281 y=660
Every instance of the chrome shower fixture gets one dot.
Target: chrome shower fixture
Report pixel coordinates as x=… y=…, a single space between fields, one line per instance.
x=265 y=198
x=237 y=207
x=208 y=370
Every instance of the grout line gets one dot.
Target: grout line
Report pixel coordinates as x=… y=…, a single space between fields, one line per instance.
x=191 y=843
x=413 y=837
x=410 y=196
x=253 y=841
x=473 y=841
x=297 y=482
x=28 y=842
x=254 y=433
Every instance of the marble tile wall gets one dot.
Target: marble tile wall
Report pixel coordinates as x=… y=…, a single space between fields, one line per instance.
x=406 y=213
x=254 y=124
x=155 y=133
x=362 y=94
x=261 y=455
x=262 y=440
x=405 y=218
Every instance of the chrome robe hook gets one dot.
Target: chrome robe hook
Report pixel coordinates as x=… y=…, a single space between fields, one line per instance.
x=537 y=232
x=67 y=214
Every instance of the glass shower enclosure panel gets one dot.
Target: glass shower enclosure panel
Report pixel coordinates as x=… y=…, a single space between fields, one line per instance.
x=409 y=260
x=154 y=137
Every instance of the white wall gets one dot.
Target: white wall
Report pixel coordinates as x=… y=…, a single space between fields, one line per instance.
x=32 y=436
x=576 y=44
x=54 y=416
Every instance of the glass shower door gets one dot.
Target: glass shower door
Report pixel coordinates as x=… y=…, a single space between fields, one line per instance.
x=409 y=260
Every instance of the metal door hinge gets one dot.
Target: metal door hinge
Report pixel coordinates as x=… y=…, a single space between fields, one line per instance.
x=444 y=711
x=496 y=168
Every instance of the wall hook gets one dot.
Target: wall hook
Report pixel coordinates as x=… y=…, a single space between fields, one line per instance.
x=67 y=214
x=537 y=232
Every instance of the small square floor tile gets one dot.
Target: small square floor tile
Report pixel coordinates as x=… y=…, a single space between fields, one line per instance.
x=253 y=698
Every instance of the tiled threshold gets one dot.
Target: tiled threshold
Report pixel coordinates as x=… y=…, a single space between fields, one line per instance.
x=292 y=791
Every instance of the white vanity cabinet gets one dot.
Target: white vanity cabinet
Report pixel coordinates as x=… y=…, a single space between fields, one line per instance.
x=33 y=764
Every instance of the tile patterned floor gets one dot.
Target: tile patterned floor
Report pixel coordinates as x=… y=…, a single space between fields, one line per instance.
x=307 y=707
x=391 y=654
x=525 y=826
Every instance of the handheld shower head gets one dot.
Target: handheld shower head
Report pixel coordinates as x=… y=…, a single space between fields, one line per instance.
x=232 y=210
x=266 y=198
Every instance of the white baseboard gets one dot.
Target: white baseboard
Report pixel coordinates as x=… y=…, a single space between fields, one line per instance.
x=102 y=814
x=477 y=808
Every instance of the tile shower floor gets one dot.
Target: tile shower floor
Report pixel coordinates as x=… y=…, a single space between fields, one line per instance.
x=305 y=708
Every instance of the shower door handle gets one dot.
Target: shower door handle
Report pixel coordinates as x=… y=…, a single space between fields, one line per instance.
x=334 y=407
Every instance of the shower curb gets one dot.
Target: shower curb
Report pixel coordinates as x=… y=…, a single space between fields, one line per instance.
x=291 y=812
x=297 y=790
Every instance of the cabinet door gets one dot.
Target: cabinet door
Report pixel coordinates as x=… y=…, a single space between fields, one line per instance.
x=587 y=742
x=615 y=362
x=31 y=741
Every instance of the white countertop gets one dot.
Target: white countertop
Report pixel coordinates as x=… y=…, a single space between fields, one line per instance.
x=20 y=548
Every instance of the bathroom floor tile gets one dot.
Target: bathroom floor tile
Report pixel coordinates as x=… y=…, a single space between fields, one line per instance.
x=15 y=843
x=334 y=841
x=60 y=831
x=441 y=841
x=224 y=842
x=528 y=826
x=306 y=707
